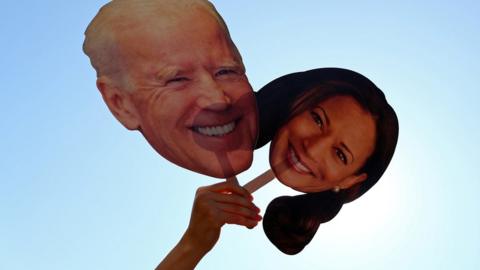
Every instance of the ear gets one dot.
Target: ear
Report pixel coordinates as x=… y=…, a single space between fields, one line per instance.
x=351 y=180
x=119 y=103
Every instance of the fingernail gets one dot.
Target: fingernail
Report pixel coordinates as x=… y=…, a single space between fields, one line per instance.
x=258 y=217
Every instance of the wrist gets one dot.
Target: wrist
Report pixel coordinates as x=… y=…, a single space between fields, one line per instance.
x=190 y=245
x=184 y=256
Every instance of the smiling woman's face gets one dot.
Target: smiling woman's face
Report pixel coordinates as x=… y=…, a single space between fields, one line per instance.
x=325 y=146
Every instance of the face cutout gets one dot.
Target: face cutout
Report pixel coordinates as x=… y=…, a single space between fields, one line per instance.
x=323 y=147
x=189 y=94
x=326 y=143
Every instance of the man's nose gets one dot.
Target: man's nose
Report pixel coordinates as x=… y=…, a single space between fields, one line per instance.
x=212 y=96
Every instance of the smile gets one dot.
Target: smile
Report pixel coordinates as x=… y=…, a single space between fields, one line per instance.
x=215 y=131
x=295 y=162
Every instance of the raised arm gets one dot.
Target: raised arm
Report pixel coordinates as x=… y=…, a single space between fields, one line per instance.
x=214 y=206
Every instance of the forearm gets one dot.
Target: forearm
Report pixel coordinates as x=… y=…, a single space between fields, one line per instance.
x=184 y=256
x=214 y=206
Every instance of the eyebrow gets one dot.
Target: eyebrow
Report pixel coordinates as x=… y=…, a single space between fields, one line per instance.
x=324 y=114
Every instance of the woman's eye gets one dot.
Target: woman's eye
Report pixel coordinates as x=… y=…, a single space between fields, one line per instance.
x=317 y=119
x=341 y=156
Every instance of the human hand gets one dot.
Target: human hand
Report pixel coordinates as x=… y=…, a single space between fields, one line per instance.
x=216 y=205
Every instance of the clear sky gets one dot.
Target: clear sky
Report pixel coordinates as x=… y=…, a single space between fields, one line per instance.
x=78 y=191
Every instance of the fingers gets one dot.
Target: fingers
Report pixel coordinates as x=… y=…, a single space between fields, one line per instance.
x=215 y=206
x=233 y=199
x=230 y=218
x=236 y=201
x=226 y=203
x=245 y=212
x=229 y=187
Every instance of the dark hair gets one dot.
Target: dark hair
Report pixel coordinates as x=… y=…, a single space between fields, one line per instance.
x=291 y=222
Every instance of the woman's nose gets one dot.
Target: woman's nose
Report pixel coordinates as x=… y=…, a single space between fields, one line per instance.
x=211 y=95
x=317 y=147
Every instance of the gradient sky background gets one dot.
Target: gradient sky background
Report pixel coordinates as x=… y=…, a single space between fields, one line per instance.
x=78 y=191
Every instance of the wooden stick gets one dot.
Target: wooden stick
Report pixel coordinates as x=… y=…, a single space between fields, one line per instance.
x=259 y=181
x=233 y=178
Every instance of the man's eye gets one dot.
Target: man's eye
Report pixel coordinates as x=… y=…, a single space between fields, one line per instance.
x=341 y=156
x=225 y=72
x=317 y=119
x=177 y=79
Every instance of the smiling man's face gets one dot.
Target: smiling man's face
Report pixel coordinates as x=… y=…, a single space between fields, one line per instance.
x=189 y=95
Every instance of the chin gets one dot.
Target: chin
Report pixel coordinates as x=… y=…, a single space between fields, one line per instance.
x=284 y=180
x=231 y=165
x=239 y=161
x=288 y=177
x=219 y=172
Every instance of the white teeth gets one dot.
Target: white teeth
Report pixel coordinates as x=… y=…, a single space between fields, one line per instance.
x=297 y=165
x=216 y=130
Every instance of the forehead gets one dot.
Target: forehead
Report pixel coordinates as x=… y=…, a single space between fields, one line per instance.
x=351 y=123
x=178 y=39
x=164 y=29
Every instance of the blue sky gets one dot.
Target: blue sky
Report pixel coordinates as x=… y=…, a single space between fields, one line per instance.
x=78 y=191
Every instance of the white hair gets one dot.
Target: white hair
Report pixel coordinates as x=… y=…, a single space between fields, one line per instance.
x=117 y=16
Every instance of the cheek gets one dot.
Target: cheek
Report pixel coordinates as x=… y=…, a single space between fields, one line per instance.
x=281 y=138
x=279 y=143
x=248 y=106
x=238 y=89
x=172 y=110
x=300 y=127
x=337 y=173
